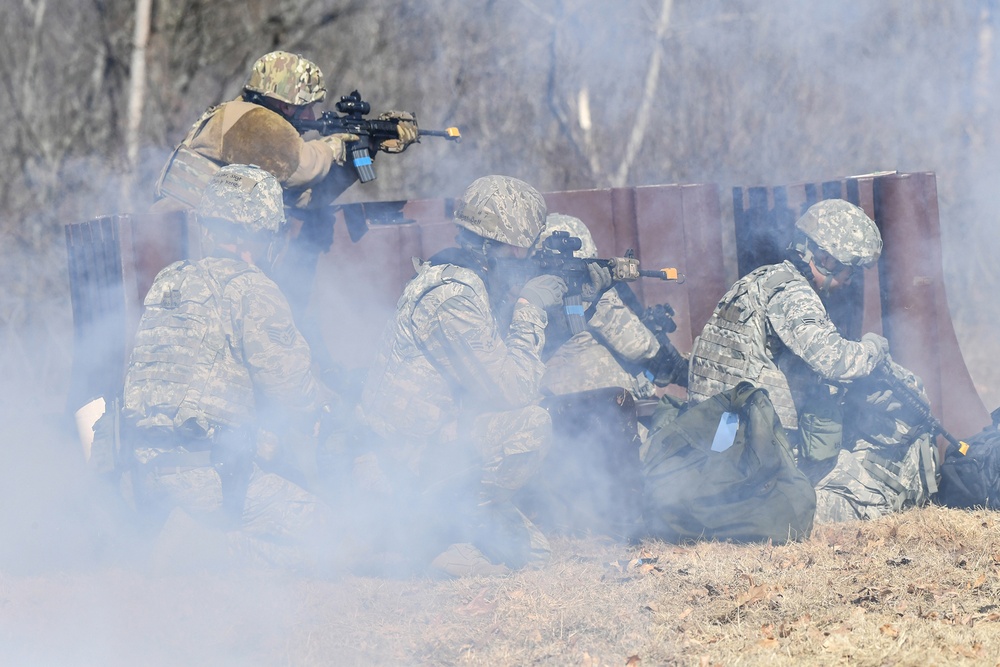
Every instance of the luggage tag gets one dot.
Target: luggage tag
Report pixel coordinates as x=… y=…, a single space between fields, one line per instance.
x=725 y=434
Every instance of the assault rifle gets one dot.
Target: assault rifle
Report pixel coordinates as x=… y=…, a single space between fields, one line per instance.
x=370 y=133
x=912 y=400
x=556 y=257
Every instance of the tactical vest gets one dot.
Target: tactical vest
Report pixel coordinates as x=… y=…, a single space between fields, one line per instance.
x=186 y=367
x=405 y=393
x=187 y=172
x=737 y=344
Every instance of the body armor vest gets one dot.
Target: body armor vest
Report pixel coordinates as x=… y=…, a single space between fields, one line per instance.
x=737 y=343
x=186 y=367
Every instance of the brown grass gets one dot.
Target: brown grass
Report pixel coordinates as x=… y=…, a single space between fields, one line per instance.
x=918 y=588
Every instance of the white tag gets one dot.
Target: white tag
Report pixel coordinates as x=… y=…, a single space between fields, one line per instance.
x=725 y=434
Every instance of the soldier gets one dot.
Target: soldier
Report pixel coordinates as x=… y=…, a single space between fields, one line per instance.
x=453 y=394
x=255 y=129
x=772 y=329
x=218 y=368
x=614 y=337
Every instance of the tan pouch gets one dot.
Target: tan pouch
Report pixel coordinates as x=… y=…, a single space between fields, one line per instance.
x=185 y=176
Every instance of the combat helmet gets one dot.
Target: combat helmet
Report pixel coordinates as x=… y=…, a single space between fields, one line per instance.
x=286 y=77
x=503 y=209
x=839 y=229
x=245 y=196
x=560 y=222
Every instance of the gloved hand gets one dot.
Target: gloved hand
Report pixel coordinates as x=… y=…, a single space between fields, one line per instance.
x=600 y=280
x=544 y=291
x=338 y=144
x=881 y=346
x=406 y=129
x=884 y=400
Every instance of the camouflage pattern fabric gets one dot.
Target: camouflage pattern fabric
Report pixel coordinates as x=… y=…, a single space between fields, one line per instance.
x=869 y=481
x=592 y=358
x=443 y=355
x=884 y=467
x=216 y=351
x=246 y=196
x=560 y=222
x=281 y=524
x=503 y=209
x=448 y=391
x=772 y=329
x=216 y=335
x=843 y=230
x=287 y=77
x=312 y=172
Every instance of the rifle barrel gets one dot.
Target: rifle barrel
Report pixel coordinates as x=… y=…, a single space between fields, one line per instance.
x=668 y=273
x=451 y=134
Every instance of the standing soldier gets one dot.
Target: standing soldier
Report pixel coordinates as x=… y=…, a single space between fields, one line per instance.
x=255 y=129
x=772 y=329
x=453 y=394
x=220 y=376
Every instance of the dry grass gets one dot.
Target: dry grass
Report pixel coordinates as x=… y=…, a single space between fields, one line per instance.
x=919 y=588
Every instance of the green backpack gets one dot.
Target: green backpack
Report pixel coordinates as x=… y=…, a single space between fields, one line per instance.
x=723 y=469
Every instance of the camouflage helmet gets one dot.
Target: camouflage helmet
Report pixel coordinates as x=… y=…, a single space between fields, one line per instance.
x=560 y=222
x=502 y=208
x=286 y=77
x=245 y=196
x=842 y=230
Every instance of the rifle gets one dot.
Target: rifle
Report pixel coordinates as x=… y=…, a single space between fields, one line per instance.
x=911 y=399
x=370 y=133
x=668 y=366
x=556 y=257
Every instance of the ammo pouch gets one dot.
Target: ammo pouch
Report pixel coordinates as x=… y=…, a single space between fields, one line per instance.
x=821 y=435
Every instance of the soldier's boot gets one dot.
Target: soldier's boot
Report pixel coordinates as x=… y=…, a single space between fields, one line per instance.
x=505 y=535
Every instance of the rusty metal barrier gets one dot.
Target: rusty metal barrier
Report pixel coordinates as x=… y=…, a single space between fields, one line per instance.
x=113 y=260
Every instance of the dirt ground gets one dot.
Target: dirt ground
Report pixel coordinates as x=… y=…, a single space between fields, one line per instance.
x=918 y=588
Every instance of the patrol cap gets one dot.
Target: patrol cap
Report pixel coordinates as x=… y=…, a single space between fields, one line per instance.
x=246 y=196
x=502 y=208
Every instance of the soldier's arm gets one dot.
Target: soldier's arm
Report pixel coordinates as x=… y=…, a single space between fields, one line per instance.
x=619 y=328
x=466 y=345
x=800 y=320
x=262 y=137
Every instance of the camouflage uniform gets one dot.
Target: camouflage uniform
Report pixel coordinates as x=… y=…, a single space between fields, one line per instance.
x=592 y=358
x=772 y=329
x=312 y=173
x=216 y=356
x=241 y=132
x=450 y=392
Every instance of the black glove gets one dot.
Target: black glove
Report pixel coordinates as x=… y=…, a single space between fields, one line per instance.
x=544 y=291
x=669 y=367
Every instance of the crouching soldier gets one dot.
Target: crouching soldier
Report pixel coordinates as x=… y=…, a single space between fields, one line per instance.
x=453 y=389
x=218 y=380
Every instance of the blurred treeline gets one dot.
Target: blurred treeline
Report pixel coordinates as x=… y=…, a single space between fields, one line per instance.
x=566 y=94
